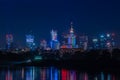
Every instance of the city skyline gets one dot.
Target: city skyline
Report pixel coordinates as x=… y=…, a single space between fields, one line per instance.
x=59 y=39
x=69 y=40
x=89 y=17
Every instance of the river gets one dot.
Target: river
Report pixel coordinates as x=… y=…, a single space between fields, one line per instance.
x=53 y=73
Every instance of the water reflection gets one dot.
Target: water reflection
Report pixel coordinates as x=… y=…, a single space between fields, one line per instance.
x=52 y=73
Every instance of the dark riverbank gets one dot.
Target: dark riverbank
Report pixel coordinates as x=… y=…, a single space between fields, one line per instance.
x=71 y=65
x=92 y=59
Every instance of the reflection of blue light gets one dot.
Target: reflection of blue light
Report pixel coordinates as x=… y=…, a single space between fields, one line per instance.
x=29 y=75
x=102 y=76
x=33 y=73
x=47 y=74
x=109 y=77
x=51 y=74
x=56 y=75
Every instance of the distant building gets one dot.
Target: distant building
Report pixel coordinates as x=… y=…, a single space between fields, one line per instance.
x=95 y=43
x=30 y=42
x=54 y=43
x=107 y=41
x=9 y=41
x=71 y=38
x=103 y=41
x=83 y=42
x=43 y=44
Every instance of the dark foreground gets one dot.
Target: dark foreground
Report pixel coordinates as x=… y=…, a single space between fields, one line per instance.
x=93 y=60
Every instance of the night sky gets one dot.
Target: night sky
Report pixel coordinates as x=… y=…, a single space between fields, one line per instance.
x=20 y=17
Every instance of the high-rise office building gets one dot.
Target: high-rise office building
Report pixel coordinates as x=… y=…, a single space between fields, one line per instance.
x=9 y=41
x=30 y=42
x=54 y=43
x=71 y=38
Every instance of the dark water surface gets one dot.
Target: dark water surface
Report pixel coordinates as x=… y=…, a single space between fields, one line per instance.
x=53 y=73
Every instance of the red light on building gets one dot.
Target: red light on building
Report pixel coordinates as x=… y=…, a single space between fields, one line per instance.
x=63 y=46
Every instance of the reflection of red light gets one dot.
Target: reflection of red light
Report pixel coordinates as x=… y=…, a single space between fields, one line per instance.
x=43 y=74
x=8 y=76
x=64 y=75
x=113 y=77
x=72 y=75
x=85 y=76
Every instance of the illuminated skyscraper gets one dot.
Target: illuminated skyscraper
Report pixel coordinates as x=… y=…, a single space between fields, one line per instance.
x=83 y=42
x=54 y=44
x=30 y=41
x=71 y=38
x=9 y=41
x=54 y=35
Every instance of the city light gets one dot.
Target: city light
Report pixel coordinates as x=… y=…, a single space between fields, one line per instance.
x=102 y=36
x=85 y=42
x=108 y=35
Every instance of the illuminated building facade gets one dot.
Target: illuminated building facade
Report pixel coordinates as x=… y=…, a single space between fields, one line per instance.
x=107 y=41
x=83 y=42
x=104 y=41
x=95 y=43
x=71 y=38
x=43 y=44
x=54 y=43
x=30 y=42
x=9 y=41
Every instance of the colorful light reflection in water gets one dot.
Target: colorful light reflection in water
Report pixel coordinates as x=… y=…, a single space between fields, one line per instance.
x=52 y=73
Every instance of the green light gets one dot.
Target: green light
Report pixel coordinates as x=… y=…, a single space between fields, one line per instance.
x=38 y=58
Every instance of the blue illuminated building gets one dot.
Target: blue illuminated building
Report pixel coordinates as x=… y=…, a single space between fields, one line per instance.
x=54 y=43
x=30 y=42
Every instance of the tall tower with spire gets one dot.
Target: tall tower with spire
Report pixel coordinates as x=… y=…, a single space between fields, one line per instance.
x=71 y=38
x=54 y=35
